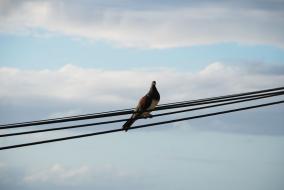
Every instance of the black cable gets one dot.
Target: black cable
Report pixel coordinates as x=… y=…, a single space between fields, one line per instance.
x=248 y=98
x=127 y=111
x=62 y=128
x=218 y=100
x=121 y=112
x=222 y=104
x=141 y=126
x=58 y=120
x=225 y=96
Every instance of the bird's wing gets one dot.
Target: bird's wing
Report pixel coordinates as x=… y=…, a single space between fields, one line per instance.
x=144 y=104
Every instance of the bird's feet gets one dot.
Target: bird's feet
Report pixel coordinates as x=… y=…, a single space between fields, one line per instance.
x=147 y=115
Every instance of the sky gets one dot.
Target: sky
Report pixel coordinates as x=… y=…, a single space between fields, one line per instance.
x=62 y=58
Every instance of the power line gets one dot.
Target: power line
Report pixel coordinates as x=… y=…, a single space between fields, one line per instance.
x=128 y=111
x=141 y=126
x=239 y=100
x=227 y=96
x=221 y=100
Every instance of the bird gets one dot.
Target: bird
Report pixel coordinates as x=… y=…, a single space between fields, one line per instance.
x=145 y=105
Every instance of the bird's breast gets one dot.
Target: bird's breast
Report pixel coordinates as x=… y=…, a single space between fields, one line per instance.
x=154 y=103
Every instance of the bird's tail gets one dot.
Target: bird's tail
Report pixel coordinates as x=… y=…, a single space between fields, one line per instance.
x=128 y=123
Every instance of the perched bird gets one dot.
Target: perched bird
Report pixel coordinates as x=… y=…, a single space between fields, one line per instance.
x=146 y=104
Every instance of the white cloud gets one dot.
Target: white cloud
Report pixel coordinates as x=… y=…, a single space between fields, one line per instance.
x=58 y=174
x=92 y=85
x=65 y=114
x=64 y=176
x=73 y=89
x=72 y=83
x=155 y=26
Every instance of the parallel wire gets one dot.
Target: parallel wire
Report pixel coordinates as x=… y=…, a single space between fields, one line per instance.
x=221 y=100
x=239 y=100
x=141 y=126
x=226 y=96
x=128 y=111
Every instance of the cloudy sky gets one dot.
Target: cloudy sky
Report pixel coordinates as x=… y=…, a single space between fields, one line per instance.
x=60 y=58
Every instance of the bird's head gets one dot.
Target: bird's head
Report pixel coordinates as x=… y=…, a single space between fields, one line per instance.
x=154 y=83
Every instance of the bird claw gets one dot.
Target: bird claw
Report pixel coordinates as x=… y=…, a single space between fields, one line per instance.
x=148 y=116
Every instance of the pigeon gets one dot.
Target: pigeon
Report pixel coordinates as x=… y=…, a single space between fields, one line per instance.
x=146 y=104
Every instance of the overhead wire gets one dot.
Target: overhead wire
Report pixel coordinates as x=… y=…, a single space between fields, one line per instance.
x=141 y=126
x=227 y=102
x=226 y=96
x=220 y=100
x=128 y=111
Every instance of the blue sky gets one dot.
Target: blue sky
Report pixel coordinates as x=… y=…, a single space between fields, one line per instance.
x=60 y=58
x=56 y=51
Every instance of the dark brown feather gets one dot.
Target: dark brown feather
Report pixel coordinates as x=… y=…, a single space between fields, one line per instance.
x=144 y=103
x=128 y=124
